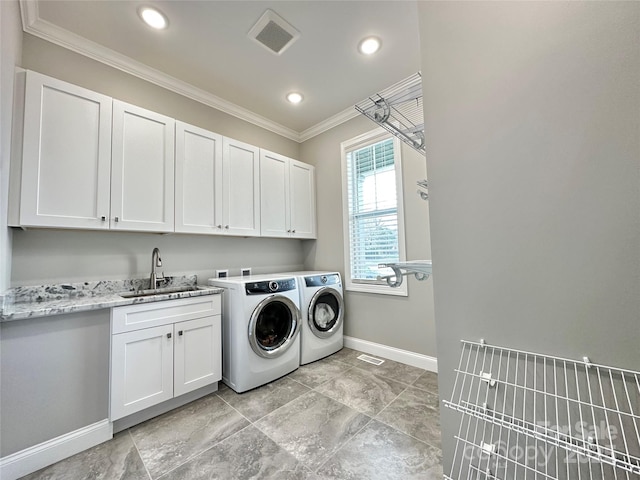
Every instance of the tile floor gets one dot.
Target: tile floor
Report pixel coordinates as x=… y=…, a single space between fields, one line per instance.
x=338 y=418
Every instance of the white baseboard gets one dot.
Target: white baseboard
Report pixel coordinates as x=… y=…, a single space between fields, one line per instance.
x=391 y=353
x=47 y=453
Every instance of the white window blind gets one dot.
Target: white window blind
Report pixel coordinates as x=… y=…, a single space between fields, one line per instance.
x=374 y=225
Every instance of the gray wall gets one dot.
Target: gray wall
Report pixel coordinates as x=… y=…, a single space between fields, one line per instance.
x=532 y=112
x=41 y=256
x=402 y=322
x=54 y=377
x=10 y=55
x=59 y=256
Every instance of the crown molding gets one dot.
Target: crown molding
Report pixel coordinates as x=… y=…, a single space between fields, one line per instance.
x=329 y=123
x=28 y=13
x=34 y=25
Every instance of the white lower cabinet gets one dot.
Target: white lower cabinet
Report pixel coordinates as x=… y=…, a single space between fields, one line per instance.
x=142 y=370
x=163 y=350
x=196 y=351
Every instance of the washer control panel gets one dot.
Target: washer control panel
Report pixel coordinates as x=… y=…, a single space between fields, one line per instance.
x=270 y=286
x=322 y=280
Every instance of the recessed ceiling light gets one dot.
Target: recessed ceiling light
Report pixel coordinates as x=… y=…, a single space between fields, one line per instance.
x=369 y=45
x=153 y=18
x=294 y=97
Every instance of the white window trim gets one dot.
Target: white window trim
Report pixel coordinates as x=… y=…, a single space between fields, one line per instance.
x=353 y=144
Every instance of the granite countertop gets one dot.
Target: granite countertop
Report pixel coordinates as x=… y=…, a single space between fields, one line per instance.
x=38 y=301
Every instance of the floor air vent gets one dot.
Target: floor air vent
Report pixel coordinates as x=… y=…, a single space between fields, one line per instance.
x=273 y=32
x=368 y=359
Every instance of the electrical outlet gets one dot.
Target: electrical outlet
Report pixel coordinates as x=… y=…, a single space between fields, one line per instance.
x=245 y=271
x=222 y=273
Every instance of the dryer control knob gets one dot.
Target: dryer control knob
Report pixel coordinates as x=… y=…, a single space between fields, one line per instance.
x=273 y=286
x=323 y=279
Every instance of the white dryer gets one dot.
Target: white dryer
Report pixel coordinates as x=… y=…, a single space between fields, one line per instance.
x=260 y=329
x=322 y=307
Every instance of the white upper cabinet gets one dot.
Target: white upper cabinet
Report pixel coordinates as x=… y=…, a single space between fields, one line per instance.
x=302 y=210
x=274 y=194
x=87 y=161
x=198 y=180
x=61 y=177
x=287 y=192
x=240 y=188
x=84 y=160
x=142 y=170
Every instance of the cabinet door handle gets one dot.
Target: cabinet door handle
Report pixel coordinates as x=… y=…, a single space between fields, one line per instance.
x=168 y=335
x=180 y=333
x=103 y=218
x=227 y=227
x=117 y=219
x=293 y=231
x=219 y=226
x=289 y=231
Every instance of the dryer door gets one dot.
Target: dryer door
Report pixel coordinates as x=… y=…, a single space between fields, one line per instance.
x=325 y=312
x=273 y=326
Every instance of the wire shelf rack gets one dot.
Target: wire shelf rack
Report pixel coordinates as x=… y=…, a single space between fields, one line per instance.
x=533 y=416
x=398 y=109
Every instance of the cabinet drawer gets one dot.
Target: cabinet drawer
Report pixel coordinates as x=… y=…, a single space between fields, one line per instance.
x=135 y=317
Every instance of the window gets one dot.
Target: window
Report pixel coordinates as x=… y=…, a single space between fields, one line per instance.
x=372 y=209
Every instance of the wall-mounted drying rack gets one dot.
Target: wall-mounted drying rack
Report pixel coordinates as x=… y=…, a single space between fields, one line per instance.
x=398 y=109
x=420 y=268
x=424 y=190
x=533 y=416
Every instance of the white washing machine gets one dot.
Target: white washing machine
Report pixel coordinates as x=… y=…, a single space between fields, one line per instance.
x=260 y=329
x=322 y=307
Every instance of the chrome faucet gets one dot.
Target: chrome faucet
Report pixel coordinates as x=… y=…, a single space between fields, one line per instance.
x=156 y=261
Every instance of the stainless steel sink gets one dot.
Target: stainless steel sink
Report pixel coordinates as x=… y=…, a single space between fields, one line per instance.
x=159 y=291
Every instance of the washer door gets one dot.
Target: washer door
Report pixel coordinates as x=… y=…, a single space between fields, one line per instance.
x=325 y=312
x=273 y=326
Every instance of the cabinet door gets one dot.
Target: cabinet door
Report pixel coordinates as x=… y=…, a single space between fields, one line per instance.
x=142 y=187
x=274 y=195
x=198 y=354
x=198 y=180
x=303 y=199
x=66 y=155
x=240 y=188
x=141 y=369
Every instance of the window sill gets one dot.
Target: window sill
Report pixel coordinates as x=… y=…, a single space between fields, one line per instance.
x=377 y=289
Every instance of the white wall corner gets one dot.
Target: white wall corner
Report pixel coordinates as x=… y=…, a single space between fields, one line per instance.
x=391 y=353
x=47 y=453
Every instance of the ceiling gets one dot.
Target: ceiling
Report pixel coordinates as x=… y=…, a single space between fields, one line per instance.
x=206 y=52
